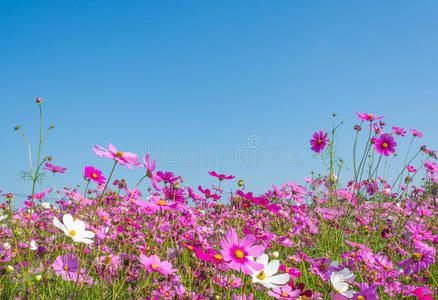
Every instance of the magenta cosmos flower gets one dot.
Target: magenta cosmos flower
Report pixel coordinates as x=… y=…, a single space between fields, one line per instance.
x=319 y=141
x=220 y=176
x=238 y=253
x=94 y=174
x=66 y=266
x=153 y=263
x=124 y=158
x=150 y=167
x=385 y=144
x=398 y=131
x=416 y=133
x=368 y=117
x=55 y=169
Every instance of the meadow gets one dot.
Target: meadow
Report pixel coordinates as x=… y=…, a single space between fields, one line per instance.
x=373 y=237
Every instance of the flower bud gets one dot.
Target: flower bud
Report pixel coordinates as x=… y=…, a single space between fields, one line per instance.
x=240 y=183
x=17 y=127
x=275 y=254
x=10 y=269
x=39 y=100
x=38 y=277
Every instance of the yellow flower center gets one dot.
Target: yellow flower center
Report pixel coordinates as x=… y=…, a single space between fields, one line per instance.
x=72 y=232
x=384 y=145
x=360 y=298
x=386 y=268
x=261 y=275
x=218 y=256
x=105 y=218
x=119 y=154
x=323 y=267
x=154 y=266
x=285 y=294
x=94 y=175
x=190 y=247
x=66 y=268
x=162 y=202
x=167 y=294
x=319 y=141
x=417 y=256
x=239 y=253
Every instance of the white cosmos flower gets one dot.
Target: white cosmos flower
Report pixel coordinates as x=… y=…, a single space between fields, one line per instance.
x=33 y=245
x=267 y=276
x=339 y=279
x=74 y=229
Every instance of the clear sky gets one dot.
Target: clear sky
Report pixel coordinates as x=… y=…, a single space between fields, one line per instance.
x=234 y=86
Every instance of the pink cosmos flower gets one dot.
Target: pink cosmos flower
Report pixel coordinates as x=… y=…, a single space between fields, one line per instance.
x=319 y=141
x=55 y=169
x=420 y=293
x=221 y=176
x=399 y=131
x=66 y=266
x=421 y=259
x=416 y=133
x=150 y=167
x=411 y=169
x=385 y=144
x=284 y=292
x=238 y=252
x=368 y=117
x=208 y=193
x=124 y=158
x=40 y=195
x=94 y=174
x=153 y=263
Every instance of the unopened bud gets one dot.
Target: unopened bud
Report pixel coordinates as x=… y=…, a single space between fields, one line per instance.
x=10 y=269
x=17 y=127
x=275 y=254
x=240 y=183
x=176 y=185
x=49 y=158
x=38 y=277
x=39 y=100
x=52 y=126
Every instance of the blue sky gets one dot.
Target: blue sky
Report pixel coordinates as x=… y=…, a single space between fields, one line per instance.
x=191 y=82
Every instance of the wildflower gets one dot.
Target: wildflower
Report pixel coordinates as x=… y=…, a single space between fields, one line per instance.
x=41 y=195
x=420 y=291
x=238 y=253
x=39 y=100
x=94 y=174
x=74 y=229
x=150 y=167
x=411 y=169
x=124 y=158
x=416 y=133
x=319 y=141
x=55 y=169
x=338 y=280
x=267 y=276
x=284 y=292
x=368 y=117
x=221 y=176
x=153 y=263
x=366 y=292
x=399 y=131
x=66 y=266
x=423 y=256
x=385 y=144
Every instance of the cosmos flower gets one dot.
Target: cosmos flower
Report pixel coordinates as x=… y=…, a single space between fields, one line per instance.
x=267 y=276
x=55 y=169
x=221 y=176
x=385 y=144
x=150 y=167
x=124 y=158
x=66 y=266
x=319 y=141
x=153 y=263
x=399 y=131
x=411 y=169
x=94 y=174
x=366 y=292
x=74 y=229
x=339 y=281
x=284 y=292
x=239 y=252
x=368 y=117
x=416 y=133
x=421 y=259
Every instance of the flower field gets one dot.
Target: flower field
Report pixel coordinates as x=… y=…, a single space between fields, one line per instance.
x=373 y=237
